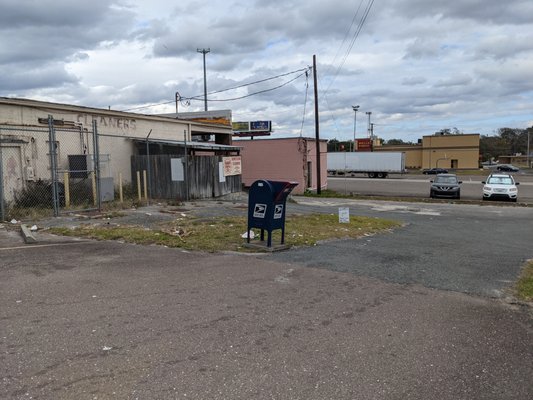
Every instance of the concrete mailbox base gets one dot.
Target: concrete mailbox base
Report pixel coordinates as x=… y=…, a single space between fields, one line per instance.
x=263 y=246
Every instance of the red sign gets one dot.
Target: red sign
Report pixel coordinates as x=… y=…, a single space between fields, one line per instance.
x=363 y=144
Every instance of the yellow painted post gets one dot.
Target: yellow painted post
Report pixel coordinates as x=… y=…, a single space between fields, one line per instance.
x=66 y=183
x=120 y=193
x=145 y=186
x=139 y=185
x=93 y=180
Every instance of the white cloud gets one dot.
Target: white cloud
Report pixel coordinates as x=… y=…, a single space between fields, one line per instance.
x=418 y=65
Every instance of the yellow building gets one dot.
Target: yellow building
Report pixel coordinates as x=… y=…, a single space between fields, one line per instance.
x=443 y=151
x=413 y=153
x=451 y=151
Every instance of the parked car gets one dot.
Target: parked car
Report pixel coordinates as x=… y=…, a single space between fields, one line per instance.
x=507 y=168
x=445 y=185
x=500 y=186
x=434 y=171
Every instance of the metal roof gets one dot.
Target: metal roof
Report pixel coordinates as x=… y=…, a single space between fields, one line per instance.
x=192 y=145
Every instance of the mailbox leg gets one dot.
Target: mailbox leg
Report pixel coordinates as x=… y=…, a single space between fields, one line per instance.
x=262 y=235
x=269 y=243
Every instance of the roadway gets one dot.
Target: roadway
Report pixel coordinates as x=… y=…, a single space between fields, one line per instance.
x=419 y=312
x=418 y=186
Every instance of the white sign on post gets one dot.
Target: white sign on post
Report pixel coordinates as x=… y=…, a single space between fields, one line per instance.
x=344 y=215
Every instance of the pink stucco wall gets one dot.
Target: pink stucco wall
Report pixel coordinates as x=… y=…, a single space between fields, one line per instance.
x=282 y=160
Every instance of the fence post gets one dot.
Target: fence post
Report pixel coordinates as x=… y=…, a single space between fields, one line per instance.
x=145 y=188
x=67 y=189
x=97 y=165
x=93 y=184
x=186 y=170
x=2 y=211
x=120 y=193
x=53 y=164
x=139 y=185
x=148 y=169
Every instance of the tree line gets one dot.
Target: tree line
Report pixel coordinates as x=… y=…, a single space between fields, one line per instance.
x=507 y=141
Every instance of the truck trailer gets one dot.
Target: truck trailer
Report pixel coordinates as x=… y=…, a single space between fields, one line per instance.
x=374 y=164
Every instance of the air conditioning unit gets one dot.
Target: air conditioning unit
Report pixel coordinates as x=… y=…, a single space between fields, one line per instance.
x=78 y=165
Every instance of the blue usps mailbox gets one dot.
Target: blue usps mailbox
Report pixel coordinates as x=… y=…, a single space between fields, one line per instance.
x=266 y=207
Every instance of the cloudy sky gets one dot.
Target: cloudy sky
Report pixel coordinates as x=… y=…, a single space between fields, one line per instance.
x=418 y=65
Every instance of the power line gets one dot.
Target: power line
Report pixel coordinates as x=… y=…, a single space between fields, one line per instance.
x=345 y=36
x=253 y=94
x=305 y=101
x=347 y=53
x=255 y=82
x=149 y=106
x=354 y=38
x=198 y=97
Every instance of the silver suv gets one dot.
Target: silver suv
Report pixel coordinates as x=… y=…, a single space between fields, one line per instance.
x=500 y=187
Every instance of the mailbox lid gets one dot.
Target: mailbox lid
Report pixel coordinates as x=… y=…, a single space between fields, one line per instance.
x=282 y=189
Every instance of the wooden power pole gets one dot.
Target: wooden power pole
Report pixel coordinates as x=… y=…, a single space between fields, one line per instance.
x=317 y=132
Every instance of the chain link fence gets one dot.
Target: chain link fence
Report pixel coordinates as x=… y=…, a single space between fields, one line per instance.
x=44 y=171
x=63 y=167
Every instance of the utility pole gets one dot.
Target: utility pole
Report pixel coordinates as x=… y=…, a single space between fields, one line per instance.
x=204 y=52
x=354 y=108
x=318 y=178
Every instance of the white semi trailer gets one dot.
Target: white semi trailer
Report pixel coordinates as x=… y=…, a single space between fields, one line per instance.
x=374 y=164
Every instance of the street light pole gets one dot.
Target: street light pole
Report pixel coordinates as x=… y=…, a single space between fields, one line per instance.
x=528 y=164
x=204 y=52
x=369 y=113
x=354 y=108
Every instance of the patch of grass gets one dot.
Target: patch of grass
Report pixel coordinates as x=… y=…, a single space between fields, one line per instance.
x=307 y=230
x=224 y=234
x=524 y=286
x=328 y=193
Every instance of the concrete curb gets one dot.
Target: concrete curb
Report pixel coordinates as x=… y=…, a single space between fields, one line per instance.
x=27 y=235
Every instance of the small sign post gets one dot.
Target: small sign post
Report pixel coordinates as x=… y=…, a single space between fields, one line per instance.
x=344 y=215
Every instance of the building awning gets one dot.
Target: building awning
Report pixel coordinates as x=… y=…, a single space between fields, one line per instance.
x=202 y=146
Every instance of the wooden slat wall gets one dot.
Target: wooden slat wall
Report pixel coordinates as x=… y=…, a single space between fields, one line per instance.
x=202 y=174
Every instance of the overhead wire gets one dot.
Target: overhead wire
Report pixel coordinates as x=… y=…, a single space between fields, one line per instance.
x=355 y=35
x=357 y=31
x=345 y=36
x=200 y=97
x=305 y=101
x=254 y=82
x=250 y=94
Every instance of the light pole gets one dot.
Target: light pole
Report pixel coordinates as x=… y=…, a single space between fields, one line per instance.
x=369 y=113
x=528 y=164
x=204 y=52
x=354 y=108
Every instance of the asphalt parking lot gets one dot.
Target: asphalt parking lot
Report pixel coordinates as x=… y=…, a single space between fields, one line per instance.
x=406 y=314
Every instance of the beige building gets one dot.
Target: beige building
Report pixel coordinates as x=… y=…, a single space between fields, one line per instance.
x=443 y=151
x=25 y=141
